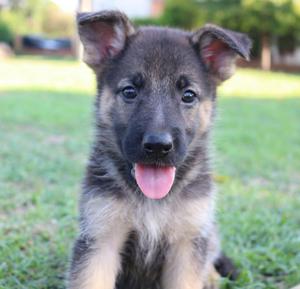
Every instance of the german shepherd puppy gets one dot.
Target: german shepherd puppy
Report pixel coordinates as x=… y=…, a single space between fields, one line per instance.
x=147 y=205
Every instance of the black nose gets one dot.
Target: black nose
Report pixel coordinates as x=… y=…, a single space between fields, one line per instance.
x=158 y=143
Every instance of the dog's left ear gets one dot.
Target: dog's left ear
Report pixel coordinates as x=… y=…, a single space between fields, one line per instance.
x=103 y=35
x=219 y=48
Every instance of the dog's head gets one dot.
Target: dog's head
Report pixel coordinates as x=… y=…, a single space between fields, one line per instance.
x=156 y=89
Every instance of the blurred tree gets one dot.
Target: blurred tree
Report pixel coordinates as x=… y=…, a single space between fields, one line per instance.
x=177 y=13
x=180 y=13
x=11 y=24
x=56 y=23
x=34 y=17
x=6 y=35
x=262 y=19
x=30 y=11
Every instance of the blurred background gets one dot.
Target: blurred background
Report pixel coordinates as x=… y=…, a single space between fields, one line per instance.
x=46 y=26
x=46 y=116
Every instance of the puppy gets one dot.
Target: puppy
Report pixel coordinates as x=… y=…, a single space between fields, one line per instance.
x=147 y=205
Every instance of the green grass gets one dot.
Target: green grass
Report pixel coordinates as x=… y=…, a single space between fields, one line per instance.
x=45 y=131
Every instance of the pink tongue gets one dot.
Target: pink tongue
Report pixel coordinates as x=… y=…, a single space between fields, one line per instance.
x=155 y=182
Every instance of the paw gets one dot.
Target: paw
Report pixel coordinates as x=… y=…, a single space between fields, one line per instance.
x=212 y=280
x=226 y=267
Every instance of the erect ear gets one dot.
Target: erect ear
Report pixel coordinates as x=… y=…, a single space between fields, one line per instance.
x=219 y=48
x=103 y=35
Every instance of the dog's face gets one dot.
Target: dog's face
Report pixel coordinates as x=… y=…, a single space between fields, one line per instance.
x=157 y=89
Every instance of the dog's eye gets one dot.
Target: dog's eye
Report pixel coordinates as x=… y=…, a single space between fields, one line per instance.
x=189 y=96
x=129 y=92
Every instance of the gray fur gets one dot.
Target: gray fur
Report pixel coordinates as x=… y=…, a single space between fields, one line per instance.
x=146 y=236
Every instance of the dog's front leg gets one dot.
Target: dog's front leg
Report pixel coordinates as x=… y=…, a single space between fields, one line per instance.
x=96 y=259
x=184 y=268
x=95 y=264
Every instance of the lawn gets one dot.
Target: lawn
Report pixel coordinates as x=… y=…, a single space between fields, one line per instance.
x=45 y=131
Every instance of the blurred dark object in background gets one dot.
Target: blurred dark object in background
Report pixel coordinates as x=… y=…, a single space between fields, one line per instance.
x=31 y=44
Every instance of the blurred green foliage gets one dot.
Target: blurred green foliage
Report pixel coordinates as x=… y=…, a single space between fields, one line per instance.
x=177 y=13
x=265 y=18
x=6 y=34
x=275 y=19
x=34 y=17
x=57 y=23
x=11 y=24
x=180 y=13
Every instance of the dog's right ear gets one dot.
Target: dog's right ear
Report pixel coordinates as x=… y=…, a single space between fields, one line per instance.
x=103 y=35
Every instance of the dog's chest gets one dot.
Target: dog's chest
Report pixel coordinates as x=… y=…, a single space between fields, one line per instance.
x=171 y=220
x=152 y=221
x=155 y=226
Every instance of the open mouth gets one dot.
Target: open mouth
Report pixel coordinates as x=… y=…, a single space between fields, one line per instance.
x=155 y=182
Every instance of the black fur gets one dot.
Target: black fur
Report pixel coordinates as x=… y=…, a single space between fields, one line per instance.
x=135 y=273
x=160 y=64
x=226 y=267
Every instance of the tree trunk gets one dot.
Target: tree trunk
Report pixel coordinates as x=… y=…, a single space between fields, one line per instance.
x=83 y=5
x=266 y=55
